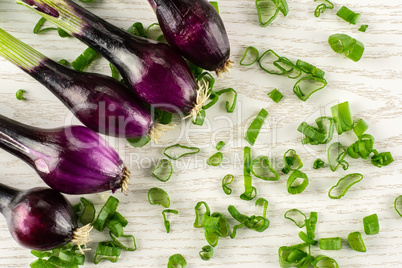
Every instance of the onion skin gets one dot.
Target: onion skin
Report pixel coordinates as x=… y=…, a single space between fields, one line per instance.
x=71 y=160
x=38 y=218
x=195 y=29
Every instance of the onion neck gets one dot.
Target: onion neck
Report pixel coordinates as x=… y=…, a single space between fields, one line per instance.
x=7 y=194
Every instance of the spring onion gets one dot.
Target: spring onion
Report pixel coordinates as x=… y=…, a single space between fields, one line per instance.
x=355 y=241
x=322 y=134
x=268 y=58
x=342 y=117
x=107 y=251
x=165 y=221
x=336 y=154
x=206 y=253
x=264 y=203
x=310 y=224
x=363 y=28
x=199 y=119
x=371 y=224
x=292 y=161
x=129 y=242
x=64 y=62
x=398 y=205
x=262 y=168
x=381 y=159
x=332 y=243
x=296 y=216
x=176 y=261
x=230 y=106
x=297 y=182
x=322 y=7
x=287 y=67
x=342 y=43
x=20 y=94
x=84 y=60
x=140 y=141
x=266 y=15
x=348 y=15
x=306 y=86
x=157 y=196
x=250 y=56
x=275 y=95
x=114 y=71
x=163 y=171
x=360 y=128
x=255 y=126
x=39 y=28
x=295 y=256
x=311 y=133
x=318 y=163
x=199 y=214
x=363 y=147
x=249 y=190
x=215 y=159
x=310 y=69
x=220 y=145
x=343 y=185
x=215 y=5
x=106 y=212
x=116 y=224
x=177 y=151
x=324 y=261
x=88 y=215
x=303 y=236
x=228 y=179
x=255 y=223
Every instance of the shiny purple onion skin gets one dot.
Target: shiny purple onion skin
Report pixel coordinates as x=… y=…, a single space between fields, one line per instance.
x=100 y=102
x=38 y=218
x=71 y=160
x=195 y=29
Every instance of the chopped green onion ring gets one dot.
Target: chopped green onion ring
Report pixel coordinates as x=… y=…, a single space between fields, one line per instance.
x=324 y=261
x=215 y=159
x=336 y=154
x=20 y=94
x=140 y=141
x=311 y=223
x=363 y=28
x=84 y=60
x=107 y=250
x=157 y=196
x=310 y=69
x=381 y=159
x=263 y=10
x=199 y=215
x=293 y=184
x=165 y=221
x=303 y=236
x=291 y=161
x=220 y=145
x=261 y=168
x=130 y=238
x=275 y=95
x=343 y=185
x=348 y=15
x=356 y=242
x=177 y=261
x=398 y=205
x=249 y=190
x=215 y=5
x=360 y=128
x=296 y=216
x=342 y=117
x=332 y=243
x=255 y=127
x=229 y=107
x=371 y=224
x=206 y=253
x=228 y=179
x=295 y=256
x=106 y=212
x=343 y=43
x=163 y=171
x=88 y=215
x=306 y=86
x=318 y=163
x=170 y=151
x=250 y=56
x=265 y=67
x=264 y=203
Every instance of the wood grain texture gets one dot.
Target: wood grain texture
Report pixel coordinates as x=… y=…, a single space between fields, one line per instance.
x=372 y=86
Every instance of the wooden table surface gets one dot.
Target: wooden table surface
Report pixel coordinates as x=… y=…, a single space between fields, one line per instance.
x=372 y=86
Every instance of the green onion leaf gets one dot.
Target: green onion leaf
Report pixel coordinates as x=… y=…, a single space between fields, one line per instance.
x=139 y=142
x=310 y=69
x=297 y=182
x=228 y=179
x=115 y=72
x=106 y=212
x=324 y=261
x=84 y=60
x=267 y=11
x=348 y=15
x=255 y=126
x=333 y=243
x=177 y=261
x=342 y=43
x=198 y=213
x=255 y=223
x=250 y=56
x=200 y=118
x=311 y=223
x=41 y=254
x=229 y=106
x=220 y=145
x=291 y=161
x=363 y=28
x=275 y=95
x=303 y=236
x=318 y=163
x=287 y=67
x=126 y=242
x=355 y=241
x=381 y=159
x=20 y=94
x=157 y=196
x=222 y=227
x=71 y=257
x=215 y=159
x=261 y=168
x=267 y=59
x=398 y=205
x=107 y=250
x=342 y=117
x=336 y=154
x=215 y=5
x=177 y=151
x=296 y=216
x=163 y=171
x=64 y=62
x=206 y=253
x=165 y=221
x=137 y=29
x=360 y=128
x=343 y=185
x=88 y=215
x=295 y=256
x=264 y=203
x=249 y=190
x=306 y=86
x=371 y=224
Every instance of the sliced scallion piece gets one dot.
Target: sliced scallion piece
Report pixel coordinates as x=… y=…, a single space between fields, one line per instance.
x=342 y=43
x=318 y=163
x=106 y=212
x=267 y=59
x=206 y=253
x=264 y=203
x=220 y=145
x=310 y=69
x=249 y=190
x=303 y=236
x=297 y=182
x=261 y=168
x=332 y=243
x=250 y=56
x=292 y=161
x=157 y=196
x=215 y=159
x=114 y=71
x=363 y=28
x=311 y=223
x=229 y=106
x=324 y=261
x=177 y=261
x=84 y=60
x=355 y=241
x=116 y=224
x=228 y=179
x=165 y=221
x=348 y=15
x=107 y=251
x=336 y=154
x=306 y=86
x=255 y=223
x=360 y=128
x=64 y=62
x=295 y=256
x=126 y=242
x=381 y=159
x=215 y=5
x=398 y=205
x=198 y=213
x=88 y=215
x=287 y=67
x=177 y=151
x=200 y=118
x=275 y=95
x=140 y=141
x=343 y=185
x=363 y=147
x=371 y=224
x=296 y=216
x=163 y=171
x=255 y=127
x=342 y=117
x=20 y=94
x=267 y=11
